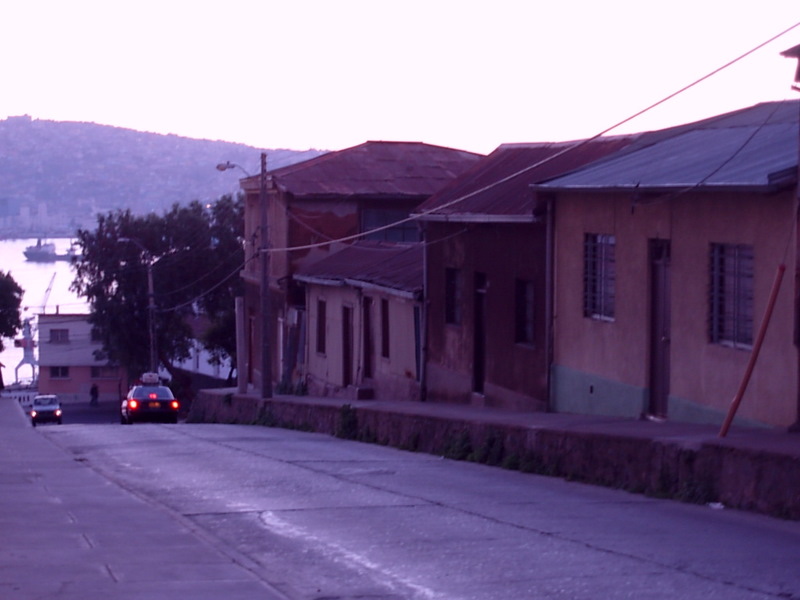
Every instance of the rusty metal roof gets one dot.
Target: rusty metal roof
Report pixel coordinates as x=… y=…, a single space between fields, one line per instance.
x=497 y=188
x=394 y=267
x=404 y=170
x=749 y=149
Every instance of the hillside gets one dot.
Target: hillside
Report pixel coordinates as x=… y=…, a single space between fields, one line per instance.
x=57 y=176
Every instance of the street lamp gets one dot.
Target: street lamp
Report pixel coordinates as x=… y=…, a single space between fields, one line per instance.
x=266 y=312
x=151 y=303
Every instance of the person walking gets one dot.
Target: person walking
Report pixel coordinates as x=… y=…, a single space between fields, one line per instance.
x=93 y=393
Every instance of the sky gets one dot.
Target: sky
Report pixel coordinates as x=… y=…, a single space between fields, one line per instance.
x=330 y=74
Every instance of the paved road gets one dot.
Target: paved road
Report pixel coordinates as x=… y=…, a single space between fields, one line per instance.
x=315 y=517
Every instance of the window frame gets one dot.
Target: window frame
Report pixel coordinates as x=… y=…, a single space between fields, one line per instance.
x=599 y=276
x=59 y=335
x=731 y=295
x=59 y=372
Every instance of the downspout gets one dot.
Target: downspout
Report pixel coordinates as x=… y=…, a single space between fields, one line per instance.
x=423 y=317
x=549 y=283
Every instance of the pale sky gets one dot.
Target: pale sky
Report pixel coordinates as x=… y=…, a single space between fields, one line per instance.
x=331 y=74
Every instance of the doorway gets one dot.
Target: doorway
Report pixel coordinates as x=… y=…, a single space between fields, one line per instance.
x=347 y=345
x=479 y=334
x=659 y=253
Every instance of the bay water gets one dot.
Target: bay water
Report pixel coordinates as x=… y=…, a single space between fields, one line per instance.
x=35 y=278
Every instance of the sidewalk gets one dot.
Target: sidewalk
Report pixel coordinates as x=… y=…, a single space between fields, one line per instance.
x=749 y=469
x=67 y=533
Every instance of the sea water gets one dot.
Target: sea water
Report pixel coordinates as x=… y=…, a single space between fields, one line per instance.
x=46 y=290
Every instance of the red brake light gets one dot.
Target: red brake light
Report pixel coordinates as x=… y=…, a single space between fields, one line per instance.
x=33 y=413
x=133 y=404
x=152 y=396
x=175 y=404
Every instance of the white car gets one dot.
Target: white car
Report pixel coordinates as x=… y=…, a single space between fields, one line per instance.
x=46 y=408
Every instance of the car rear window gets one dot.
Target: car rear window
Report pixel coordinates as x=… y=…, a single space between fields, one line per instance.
x=159 y=392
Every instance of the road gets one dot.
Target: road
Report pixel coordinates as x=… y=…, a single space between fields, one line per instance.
x=322 y=518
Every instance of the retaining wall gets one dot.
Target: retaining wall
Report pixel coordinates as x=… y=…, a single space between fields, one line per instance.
x=680 y=467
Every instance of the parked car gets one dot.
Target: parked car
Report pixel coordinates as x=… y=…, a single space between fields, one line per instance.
x=46 y=408
x=149 y=401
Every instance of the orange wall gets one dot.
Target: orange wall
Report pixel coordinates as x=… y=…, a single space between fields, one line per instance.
x=703 y=376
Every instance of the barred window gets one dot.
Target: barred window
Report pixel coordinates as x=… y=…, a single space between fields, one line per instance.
x=523 y=312
x=731 y=295
x=599 y=276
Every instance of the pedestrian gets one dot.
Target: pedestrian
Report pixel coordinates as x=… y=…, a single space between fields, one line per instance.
x=93 y=392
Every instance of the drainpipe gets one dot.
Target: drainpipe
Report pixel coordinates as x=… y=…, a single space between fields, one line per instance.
x=549 y=282
x=423 y=317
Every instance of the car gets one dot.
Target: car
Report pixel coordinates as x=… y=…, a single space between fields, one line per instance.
x=149 y=401
x=46 y=408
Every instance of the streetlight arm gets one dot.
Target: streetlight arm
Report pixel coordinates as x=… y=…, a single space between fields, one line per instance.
x=227 y=165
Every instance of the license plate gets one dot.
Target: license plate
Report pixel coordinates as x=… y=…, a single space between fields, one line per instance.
x=154 y=404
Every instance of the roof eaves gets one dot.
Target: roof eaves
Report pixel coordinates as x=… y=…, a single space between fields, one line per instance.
x=366 y=285
x=327 y=281
x=474 y=218
x=669 y=188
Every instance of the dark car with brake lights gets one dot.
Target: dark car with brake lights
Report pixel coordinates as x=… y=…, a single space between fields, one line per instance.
x=149 y=401
x=46 y=408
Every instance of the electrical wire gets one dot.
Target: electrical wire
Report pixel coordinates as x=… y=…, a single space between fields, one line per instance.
x=568 y=148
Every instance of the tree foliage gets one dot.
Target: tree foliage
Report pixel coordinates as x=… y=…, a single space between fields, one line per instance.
x=10 y=300
x=195 y=252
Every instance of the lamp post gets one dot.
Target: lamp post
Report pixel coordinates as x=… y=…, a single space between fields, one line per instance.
x=151 y=303
x=266 y=309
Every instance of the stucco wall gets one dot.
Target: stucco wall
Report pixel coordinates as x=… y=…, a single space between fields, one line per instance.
x=515 y=374
x=704 y=377
x=394 y=377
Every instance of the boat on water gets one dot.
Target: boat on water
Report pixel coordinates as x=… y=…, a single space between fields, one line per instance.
x=45 y=252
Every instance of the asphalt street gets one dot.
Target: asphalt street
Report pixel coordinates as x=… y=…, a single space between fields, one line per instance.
x=67 y=533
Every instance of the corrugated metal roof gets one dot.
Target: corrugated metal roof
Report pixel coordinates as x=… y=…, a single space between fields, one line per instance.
x=745 y=149
x=499 y=185
x=374 y=169
x=393 y=266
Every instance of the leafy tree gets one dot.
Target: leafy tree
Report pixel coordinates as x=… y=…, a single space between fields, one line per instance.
x=10 y=300
x=195 y=253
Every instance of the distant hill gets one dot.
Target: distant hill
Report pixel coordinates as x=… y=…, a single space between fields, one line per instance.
x=56 y=176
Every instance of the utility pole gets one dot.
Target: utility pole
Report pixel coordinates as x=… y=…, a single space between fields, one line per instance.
x=266 y=311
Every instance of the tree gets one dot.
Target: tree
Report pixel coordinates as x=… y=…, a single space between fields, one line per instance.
x=10 y=301
x=195 y=253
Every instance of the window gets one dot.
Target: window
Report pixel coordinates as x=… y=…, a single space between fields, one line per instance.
x=376 y=218
x=59 y=372
x=599 y=276
x=59 y=336
x=105 y=372
x=452 y=296
x=384 y=328
x=321 y=326
x=731 y=295
x=523 y=311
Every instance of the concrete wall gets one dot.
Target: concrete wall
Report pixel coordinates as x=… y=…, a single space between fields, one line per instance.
x=641 y=457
